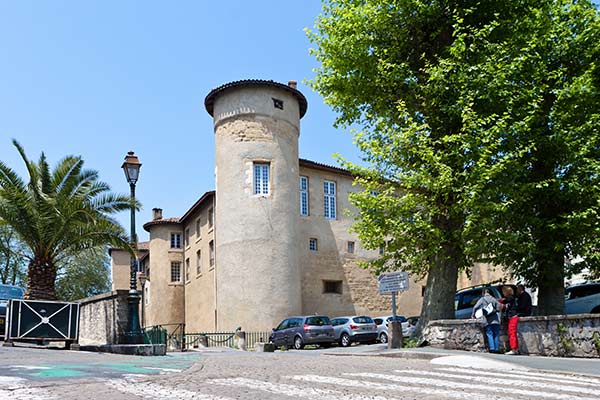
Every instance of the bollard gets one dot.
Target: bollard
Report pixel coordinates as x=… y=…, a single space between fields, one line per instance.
x=203 y=341
x=241 y=335
x=395 y=335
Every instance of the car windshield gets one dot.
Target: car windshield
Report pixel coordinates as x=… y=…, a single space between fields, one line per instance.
x=319 y=321
x=362 y=320
x=10 y=292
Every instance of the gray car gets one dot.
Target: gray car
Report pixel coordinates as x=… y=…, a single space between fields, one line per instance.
x=358 y=328
x=299 y=331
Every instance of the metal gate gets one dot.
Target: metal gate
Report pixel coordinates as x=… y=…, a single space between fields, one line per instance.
x=42 y=320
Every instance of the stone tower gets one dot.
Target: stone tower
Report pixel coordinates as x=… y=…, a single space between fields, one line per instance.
x=256 y=124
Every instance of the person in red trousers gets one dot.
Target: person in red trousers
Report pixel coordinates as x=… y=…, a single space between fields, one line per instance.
x=510 y=311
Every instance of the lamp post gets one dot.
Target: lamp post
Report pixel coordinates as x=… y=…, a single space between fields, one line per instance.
x=131 y=167
x=142 y=278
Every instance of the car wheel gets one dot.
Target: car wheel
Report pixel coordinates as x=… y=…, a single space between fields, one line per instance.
x=345 y=340
x=383 y=337
x=298 y=343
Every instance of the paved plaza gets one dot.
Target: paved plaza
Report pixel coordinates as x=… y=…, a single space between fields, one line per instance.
x=38 y=374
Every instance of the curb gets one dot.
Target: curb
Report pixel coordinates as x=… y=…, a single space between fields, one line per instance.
x=408 y=355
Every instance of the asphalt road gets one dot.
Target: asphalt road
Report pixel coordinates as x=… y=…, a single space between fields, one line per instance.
x=35 y=374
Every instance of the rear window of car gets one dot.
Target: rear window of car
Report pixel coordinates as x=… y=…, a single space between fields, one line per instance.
x=362 y=320
x=378 y=321
x=318 y=321
x=399 y=318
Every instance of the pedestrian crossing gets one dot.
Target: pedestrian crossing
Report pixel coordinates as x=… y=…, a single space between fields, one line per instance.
x=428 y=382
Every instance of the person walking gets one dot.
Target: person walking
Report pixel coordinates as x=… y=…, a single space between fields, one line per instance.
x=510 y=311
x=490 y=310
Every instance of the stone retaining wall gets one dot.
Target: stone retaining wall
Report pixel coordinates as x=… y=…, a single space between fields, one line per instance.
x=557 y=335
x=103 y=318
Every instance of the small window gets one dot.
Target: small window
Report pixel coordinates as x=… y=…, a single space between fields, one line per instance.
x=187 y=269
x=187 y=237
x=332 y=287
x=261 y=178
x=211 y=217
x=175 y=240
x=147 y=294
x=198 y=262
x=313 y=244
x=211 y=248
x=304 y=196
x=277 y=103
x=351 y=247
x=381 y=250
x=175 y=271
x=329 y=204
x=198 y=227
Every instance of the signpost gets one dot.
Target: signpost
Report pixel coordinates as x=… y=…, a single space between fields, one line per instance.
x=392 y=283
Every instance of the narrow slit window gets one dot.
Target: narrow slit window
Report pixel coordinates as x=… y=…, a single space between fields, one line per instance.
x=304 y=196
x=329 y=203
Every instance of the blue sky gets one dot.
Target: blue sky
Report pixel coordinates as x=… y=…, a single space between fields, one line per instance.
x=100 y=78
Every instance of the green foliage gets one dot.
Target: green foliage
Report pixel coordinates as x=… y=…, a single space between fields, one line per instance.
x=57 y=214
x=85 y=274
x=479 y=126
x=12 y=258
x=564 y=340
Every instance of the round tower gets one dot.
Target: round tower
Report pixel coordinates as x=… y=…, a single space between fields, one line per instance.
x=256 y=125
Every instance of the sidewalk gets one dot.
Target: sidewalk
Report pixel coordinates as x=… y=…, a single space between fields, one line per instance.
x=468 y=359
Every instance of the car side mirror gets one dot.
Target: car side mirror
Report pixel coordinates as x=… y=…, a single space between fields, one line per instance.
x=273 y=329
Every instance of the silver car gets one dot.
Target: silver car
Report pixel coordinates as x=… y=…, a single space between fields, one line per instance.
x=382 y=327
x=358 y=328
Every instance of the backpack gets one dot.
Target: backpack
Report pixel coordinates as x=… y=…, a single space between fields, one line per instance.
x=489 y=310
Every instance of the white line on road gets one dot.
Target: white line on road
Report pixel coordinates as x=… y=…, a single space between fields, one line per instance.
x=420 y=389
x=163 y=369
x=538 y=376
x=293 y=390
x=468 y=386
x=159 y=392
x=509 y=379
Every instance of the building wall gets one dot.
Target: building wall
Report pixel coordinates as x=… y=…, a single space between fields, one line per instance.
x=258 y=277
x=165 y=303
x=200 y=306
x=120 y=261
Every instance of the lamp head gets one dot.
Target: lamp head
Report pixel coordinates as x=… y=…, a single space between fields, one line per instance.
x=131 y=167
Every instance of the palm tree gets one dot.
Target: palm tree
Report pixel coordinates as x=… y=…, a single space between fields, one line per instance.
x=57 y=214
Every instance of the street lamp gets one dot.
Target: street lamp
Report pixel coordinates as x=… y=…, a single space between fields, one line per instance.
x=131 y=167
x=142 y=278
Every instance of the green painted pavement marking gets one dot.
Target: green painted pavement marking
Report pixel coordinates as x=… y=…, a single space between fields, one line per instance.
x=59 y=373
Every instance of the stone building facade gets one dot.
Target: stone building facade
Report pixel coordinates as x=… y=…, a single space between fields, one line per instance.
x=271 y=241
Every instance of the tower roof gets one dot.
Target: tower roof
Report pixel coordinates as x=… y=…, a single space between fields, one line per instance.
x=209 y=101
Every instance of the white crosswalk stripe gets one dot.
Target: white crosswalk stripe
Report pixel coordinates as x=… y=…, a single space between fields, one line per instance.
x=480 y=387
x=293 y=390
x=156 y=391
x=418 y=389
x=508 y=380
x=552 y=377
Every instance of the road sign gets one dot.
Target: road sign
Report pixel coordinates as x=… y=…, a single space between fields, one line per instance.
x=393 y=282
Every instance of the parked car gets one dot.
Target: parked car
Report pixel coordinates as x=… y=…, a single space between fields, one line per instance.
x=297 y=332
x=382 y=327
x=465 y=299
x=583 y=298
x=7 y=292
x=355 y=329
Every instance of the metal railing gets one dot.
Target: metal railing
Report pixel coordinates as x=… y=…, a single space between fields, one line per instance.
x=223 y=339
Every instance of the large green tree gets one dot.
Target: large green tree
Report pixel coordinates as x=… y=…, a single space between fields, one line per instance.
x=57 y=213
x=393 y=68
x=543 y=189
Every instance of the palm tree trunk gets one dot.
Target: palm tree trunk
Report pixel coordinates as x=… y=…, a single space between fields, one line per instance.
x=41 y=277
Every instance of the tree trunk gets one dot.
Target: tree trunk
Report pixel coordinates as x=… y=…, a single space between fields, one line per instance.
x=551 y=295
x=438 y=300
x=41 y=277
